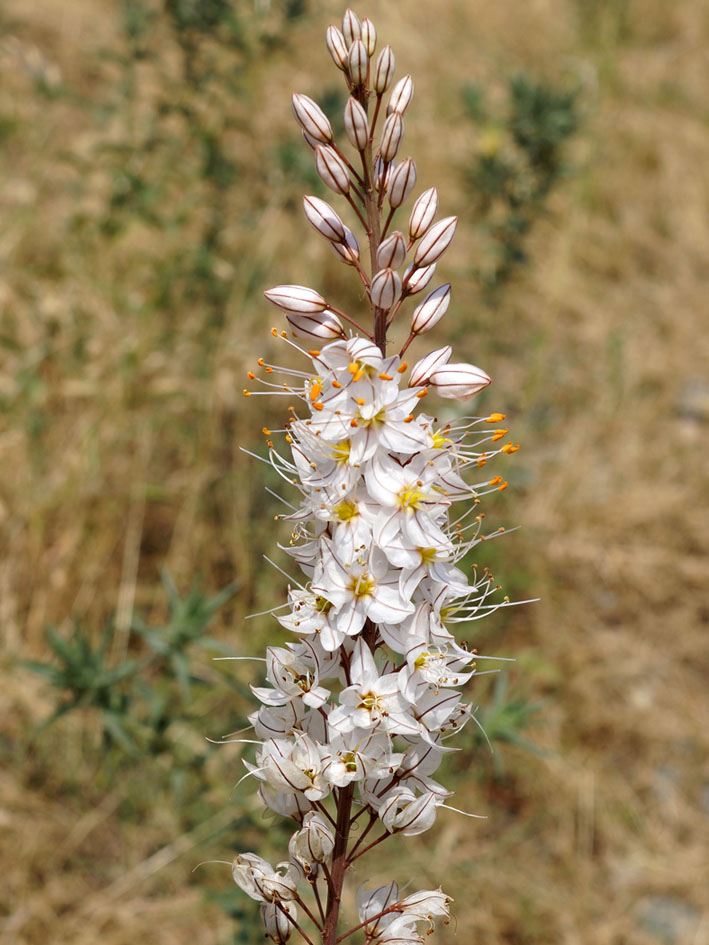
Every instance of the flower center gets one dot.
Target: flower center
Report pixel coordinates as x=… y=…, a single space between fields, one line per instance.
x=411 y=497
x=362 y=586
x=346 y=510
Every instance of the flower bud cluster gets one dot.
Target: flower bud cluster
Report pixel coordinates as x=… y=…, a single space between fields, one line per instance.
x=360 y=703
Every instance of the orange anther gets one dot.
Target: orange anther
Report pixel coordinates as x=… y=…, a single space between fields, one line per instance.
x=502 y=489
x=261 y=362
x=353 y=367
x=353 y=422
x=269 y=370
x=495 y=417
x=360 y=401
x=265 y=431
x=481 y=462
x=402 y=367
x=289 y=438
x=336 y=384
x=385 y=377
x=284 y=334
x=269 y=444
x=274 y=332
x=510 y=448
x=318 y=405
x=315 y=391
x=423 y=393
x=250 y=375
x=409 y=418
x=314 y=354
x=498 y=434
x=246 y=393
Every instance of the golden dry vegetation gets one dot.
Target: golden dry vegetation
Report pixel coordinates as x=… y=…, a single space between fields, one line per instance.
x=122 y=363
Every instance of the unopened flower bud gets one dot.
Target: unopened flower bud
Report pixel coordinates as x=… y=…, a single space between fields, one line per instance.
x=421 y=371
x=368 y=35
x=312 y=118
x=311 y=142
x=458 y=381
x=416 y=280
x=423 y=212
x=321 y=326
x=401 y=95
x=358 y=63
x=314 y=842
x=337 y=47
x=392 y=133
x=386 y=286
x=348 y=250
x=351 y=27
x=296 y=298
x=276 y=922
x=384 y=70
x=403 y=181
x=321 y=215
x=332 y=170
x=435 y=242
x=382 y=174
x=356 y=124
x=429 y=312
x=392 y=251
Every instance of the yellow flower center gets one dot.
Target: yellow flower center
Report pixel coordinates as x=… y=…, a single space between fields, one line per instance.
x=346 y=510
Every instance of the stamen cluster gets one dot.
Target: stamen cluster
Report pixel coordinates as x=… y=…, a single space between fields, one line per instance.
x=362 y=700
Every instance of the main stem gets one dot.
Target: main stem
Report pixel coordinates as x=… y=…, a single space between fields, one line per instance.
x=346 y=794
x=339 y=864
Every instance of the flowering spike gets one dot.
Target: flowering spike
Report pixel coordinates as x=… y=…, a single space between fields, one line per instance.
x=359 y=702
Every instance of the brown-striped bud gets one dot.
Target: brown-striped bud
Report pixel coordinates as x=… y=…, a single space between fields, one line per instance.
x=358 y=63
x=392 y=133
x=337 y=46
x=382 y=174
x=368 y=35
x=401 y=95
x=312 y=118
x=435 y=242
x=351 y=27
x=384 y=70
x=324 y=219
x=321 y=326
x=423 y=212
x=402 y=182
x=332 y=170
x=416 y=280
x=421 y=371
x=348 y=249
x=385 y=288
x=296 y=298
x=458 y=381
x=356 y=124
x=309 y=140
x=392 y=252
x=429 y=312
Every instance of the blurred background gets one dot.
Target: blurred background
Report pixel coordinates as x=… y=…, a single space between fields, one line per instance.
x=150 y=189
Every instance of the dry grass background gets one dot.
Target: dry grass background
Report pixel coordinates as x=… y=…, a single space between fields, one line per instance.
x=120 y=435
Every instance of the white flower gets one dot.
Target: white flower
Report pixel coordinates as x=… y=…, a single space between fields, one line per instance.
x=261 y=881
x=314 y=842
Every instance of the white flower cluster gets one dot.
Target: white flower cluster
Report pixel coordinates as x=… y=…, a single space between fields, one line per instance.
x=361 y=702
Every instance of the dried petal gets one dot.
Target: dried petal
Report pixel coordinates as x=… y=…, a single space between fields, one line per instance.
x=423 y=212
x=321 y=215
x=332 y=170
x=312 y=118
x=337 y=46
x=368 y=35
x=384 y=70
x=392 y=134
x=392 y=252
x=429 y=312
x=401 y=95
x=351 y=27
x=322 y=326
x=348 y=250
x=403 y=181
x=415 y=279
x=276 y=923
x=421 y=371
x=385 y=288
x=296 y=298
x=458 y=381
x=435 y=242
x=356 y=124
